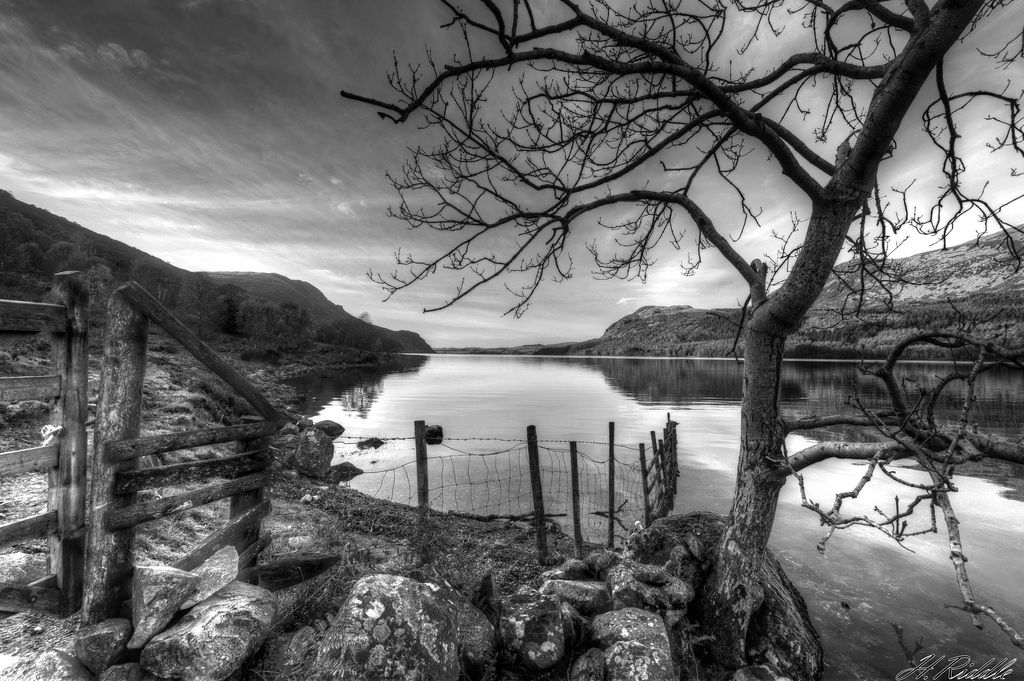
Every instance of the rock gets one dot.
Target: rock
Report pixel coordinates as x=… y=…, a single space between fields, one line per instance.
x=629 y=592
x=370 y=443
x=531 y=631
x=103 y=644
x=304 y=424
x=629 y=624
x=313 y=455
x=589 y=598
x=214 y=574
x=571 y=569
x=288 y=429
x=289 y=654
x=391 y=627
x=331 y=428
x=434 y=435
x=599 y=562
x=651 y=574
x=588 y=667
x=215 y=637
x=300 y=543
x=636 y=645
x=158 y=591
x=485 y=597
x=50 y=665
x=475 y=634
x=575 y=627
x=781 y=631
x=132 y=671
x=634 y=661
x=342 y=472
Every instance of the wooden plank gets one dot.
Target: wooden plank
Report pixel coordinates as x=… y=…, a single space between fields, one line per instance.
x=122 y=518
x=222 y=537
x=284 y=572
x=70 y=411
x=28 y=598
x=28 y=460
x=250 y=555
x=645 y=486
x=158 y=444
x=18 y=315
x=533 y=456
x=156 y=312
x=192 y=471
x=32 y=527
x=109 y=565
x=17 y=388
x=241 y=503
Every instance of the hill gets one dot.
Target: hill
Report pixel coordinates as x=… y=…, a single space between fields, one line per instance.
x=282 y=291
x=35 y=244
x=974 y=283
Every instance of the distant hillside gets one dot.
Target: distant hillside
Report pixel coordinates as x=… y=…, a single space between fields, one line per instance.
x=976 y=279
x=281 y=290
x=35 y=244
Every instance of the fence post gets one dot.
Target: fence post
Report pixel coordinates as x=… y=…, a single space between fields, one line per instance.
x=577 y=529
x=108 y=559
x=533 y=455
x=422 y=486
x=240 y=503
x=643 y=484
x=611 y=485
x=67 y=489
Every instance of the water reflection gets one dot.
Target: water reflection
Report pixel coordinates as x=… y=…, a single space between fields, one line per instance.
x=353 y=390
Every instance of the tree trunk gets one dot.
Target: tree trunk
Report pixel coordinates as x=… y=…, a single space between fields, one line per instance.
x=734 y=591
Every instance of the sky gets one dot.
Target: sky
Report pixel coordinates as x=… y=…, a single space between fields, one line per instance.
x=210 y=133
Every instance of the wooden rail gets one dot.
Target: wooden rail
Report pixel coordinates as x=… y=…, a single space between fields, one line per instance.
x=118 y=451
x=66 y=320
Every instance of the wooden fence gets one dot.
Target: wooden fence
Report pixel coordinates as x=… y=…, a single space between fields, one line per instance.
x=658 y=483
x=117 y=450
x=64 y=457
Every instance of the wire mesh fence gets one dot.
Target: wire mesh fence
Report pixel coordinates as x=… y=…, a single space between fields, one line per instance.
x=611 y=489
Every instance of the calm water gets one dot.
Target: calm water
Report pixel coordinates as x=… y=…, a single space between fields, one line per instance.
x=575 y=398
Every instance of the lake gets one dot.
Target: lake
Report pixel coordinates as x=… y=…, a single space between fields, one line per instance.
x=861 y=586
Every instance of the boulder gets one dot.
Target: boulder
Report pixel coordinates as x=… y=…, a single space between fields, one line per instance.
x=158 y=591
x=634 y=661
x=332 y=428
x=575 y=627
x=629 y=592
x=53 y=664
x=531 y=630
x=391 y=627
x=589 y=598
x=629 y=624
x=103 y=644
x=313 y=455
x=214 y=574
x=475 y=634
x=288 y=429
x=600 y=562
x=588 y=667
x=780 y=632
x=214 y=638
x=342 y=472
x=434 y=435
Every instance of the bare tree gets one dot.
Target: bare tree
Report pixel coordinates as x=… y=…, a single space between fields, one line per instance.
x=663 y=118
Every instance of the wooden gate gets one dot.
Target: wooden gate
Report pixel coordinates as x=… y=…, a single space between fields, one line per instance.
x=117 y=450
x=63 y=457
